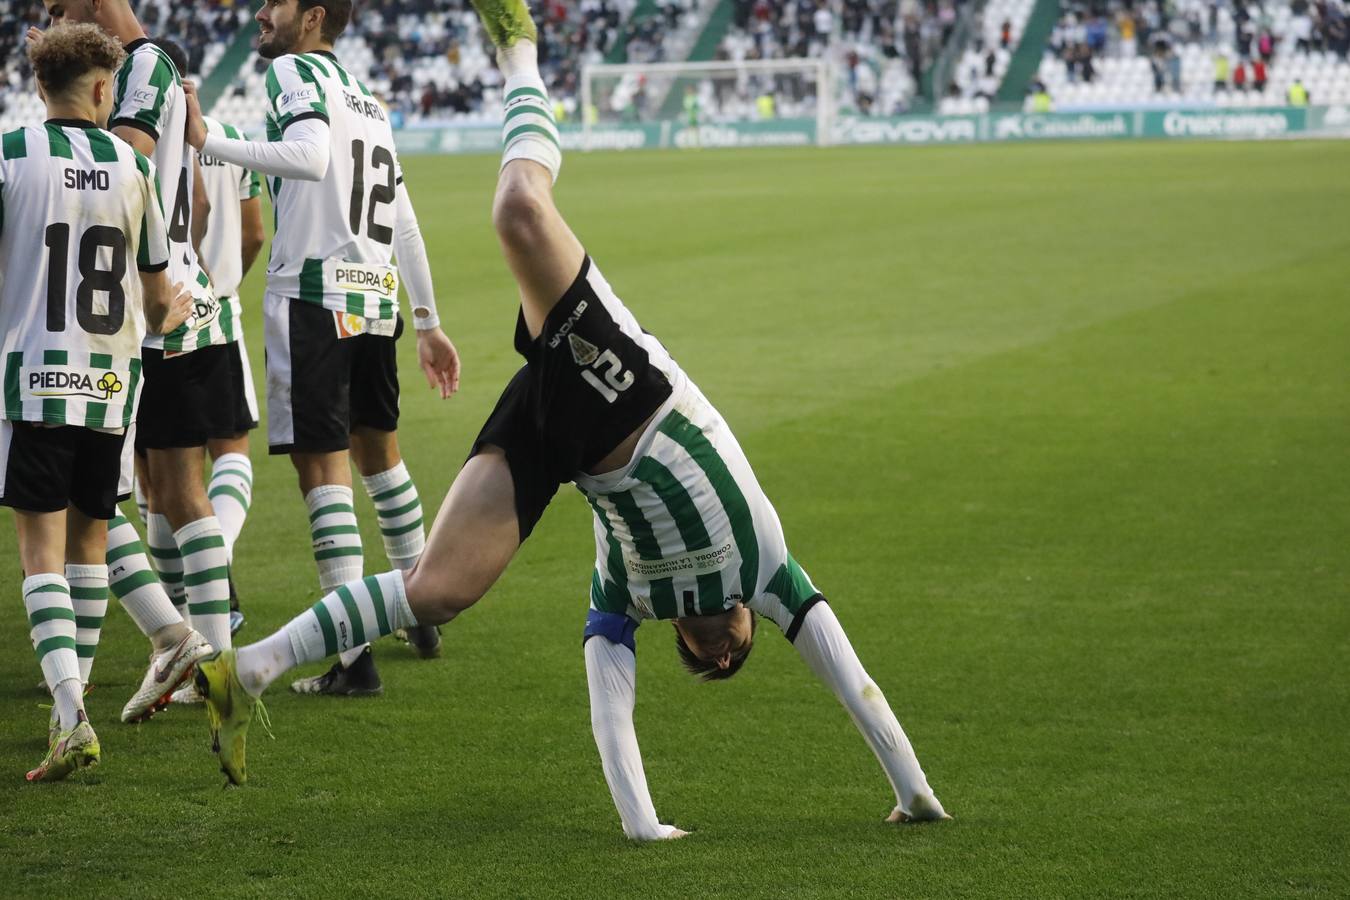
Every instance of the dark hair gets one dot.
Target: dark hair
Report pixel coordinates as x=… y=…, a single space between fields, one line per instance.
x=708 y=669
x=65 y=55
x=336 y=15
x=174 y=51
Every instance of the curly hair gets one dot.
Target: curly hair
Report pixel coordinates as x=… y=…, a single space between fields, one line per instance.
x=707 y=669
x=66 y=54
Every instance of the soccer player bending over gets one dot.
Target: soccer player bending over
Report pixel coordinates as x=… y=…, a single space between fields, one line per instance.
x=682 y=529
x=83 y=252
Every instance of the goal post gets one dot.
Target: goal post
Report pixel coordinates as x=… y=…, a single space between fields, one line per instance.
x=688 y=105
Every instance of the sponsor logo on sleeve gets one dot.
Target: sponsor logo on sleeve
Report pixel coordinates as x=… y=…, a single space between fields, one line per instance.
x=144 y=96
x=298 y=100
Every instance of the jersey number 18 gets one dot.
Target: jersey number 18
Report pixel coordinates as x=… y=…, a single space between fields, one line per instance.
x=92 y=278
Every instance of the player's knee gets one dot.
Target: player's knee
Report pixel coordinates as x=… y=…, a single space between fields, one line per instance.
x=518 y=213
x=435 y=600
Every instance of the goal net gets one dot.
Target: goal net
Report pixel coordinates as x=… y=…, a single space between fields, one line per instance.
x=755 y=103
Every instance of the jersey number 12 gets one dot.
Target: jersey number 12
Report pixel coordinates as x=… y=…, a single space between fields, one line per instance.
x=380 y=157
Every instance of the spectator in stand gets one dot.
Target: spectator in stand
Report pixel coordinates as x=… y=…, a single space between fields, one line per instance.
x=1259 y=76
x=1298 y=94
x=1240 y=77
x=1040 y=98
x=1220 y=72
x=1127 y=28
x=1301 y=29
x=1005 y=34
x=1265 y=45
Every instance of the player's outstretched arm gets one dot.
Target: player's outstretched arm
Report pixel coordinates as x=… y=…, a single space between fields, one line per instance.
x=611 y=675
x=435 y=353
x=166 y=305
x=826 y=649
x=303 y=153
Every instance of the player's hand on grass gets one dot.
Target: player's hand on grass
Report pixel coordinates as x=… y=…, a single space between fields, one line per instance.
x=439 y=361
x=196 y=126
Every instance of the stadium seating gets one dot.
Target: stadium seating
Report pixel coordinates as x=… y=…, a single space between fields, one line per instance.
x=985 y=61
x=204 y=29
x=1166 y=61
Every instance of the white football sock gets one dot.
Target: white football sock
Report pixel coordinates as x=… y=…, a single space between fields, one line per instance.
x=231 y=495
x=400 y=513
x=89 y=599
x=168 y=559
x=336 y=539
x=51 y=622
x=206 y=575
x=134 y=583
x=345 y=619
x=528 y=130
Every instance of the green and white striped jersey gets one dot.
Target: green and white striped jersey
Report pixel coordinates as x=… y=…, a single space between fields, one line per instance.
x=79 y=216
x=227 y=185
x=334 y=237
x=685 y=529
x=148 y=95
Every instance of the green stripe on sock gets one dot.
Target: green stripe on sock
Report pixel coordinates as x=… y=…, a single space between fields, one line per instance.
x=353 y=615
x=209 y=608
x=205 y=576
x=206 y=542
x=47 y=589
x=402 y=510
x=61 y=642
x=133 y=582
x=525 y=92
x=228 y=491
x=523 y=130
x=330 y=509
x=334 y=529
x=392 y=492
x=527 y=108
x=50 y=614
x=377 y=598
x=129 y=549
x=336 y=552
x=89 y=593
x=326 y=626
x=402 y=529
x=165 y=552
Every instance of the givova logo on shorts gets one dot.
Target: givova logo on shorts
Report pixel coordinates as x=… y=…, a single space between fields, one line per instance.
x=46 y=382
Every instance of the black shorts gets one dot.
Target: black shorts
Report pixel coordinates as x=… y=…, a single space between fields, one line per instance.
x=588 y=383
x=49 y=469
x=245 y=398
x=321 y=387
x=187 y=400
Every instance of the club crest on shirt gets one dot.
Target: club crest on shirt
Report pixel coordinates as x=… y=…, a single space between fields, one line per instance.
x=583 y=351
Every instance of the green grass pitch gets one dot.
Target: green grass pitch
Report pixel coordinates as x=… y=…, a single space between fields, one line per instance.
x=1060 y=430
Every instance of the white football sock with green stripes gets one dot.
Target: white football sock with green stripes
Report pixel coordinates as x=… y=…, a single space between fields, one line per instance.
x=336 y=539
x=89 y=598
x=206 y=575
x=231 y=494
x=528 y=130
x=134 y=583
x=400 y=513
x=168 y=559
x=51 y=620
x=347 y=618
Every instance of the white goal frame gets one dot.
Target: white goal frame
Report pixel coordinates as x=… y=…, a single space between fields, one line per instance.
x=825 y=99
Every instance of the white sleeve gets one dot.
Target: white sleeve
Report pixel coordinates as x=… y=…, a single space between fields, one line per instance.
x=825 y=648
x=413 y=266
x=303 y=153
x=611 y=674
